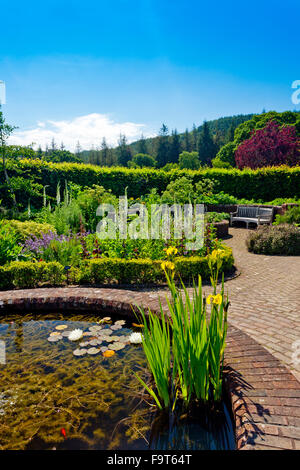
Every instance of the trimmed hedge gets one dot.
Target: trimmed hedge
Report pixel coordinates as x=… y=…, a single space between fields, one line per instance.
x=27 y=274
x=264 y=183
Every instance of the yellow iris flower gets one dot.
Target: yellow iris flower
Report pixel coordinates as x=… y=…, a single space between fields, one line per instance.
x=215 y=299
x=168 y=265
x=171 y=251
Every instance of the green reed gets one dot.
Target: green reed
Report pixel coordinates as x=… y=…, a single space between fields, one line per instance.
x=185 y=347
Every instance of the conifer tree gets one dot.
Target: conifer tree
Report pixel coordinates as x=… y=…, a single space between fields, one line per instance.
x=124 y=151
x=162 y=152
x=187 y=141
x=206 y=147
x=175 y=147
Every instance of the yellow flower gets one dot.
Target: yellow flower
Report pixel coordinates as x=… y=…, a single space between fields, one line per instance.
x=216 y=299
x=167 y=265
x=217 y=253
x=171 y=250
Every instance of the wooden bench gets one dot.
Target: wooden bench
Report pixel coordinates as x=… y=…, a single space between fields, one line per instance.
x=252 y=214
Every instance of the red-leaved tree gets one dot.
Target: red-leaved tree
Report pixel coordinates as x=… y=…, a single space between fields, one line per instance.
x=271 y=146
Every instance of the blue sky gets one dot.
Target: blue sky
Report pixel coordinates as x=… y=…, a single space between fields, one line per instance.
x=81 y=70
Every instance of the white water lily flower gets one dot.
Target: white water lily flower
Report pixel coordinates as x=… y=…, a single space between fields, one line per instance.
x=136 y=338
x=75 y=334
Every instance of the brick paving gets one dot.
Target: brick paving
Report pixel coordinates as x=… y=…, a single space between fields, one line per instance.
x=264 y=323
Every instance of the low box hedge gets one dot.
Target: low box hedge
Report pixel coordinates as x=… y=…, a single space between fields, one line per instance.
x=26 y=274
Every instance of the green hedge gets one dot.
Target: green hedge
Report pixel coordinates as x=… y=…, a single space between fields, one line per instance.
x=264 y=183
x=27 y=274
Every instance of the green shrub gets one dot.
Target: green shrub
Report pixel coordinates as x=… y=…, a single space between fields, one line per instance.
x=9 y=248
x=275 y=240
x=27 y=229
x=291 y=216
x=25 y=274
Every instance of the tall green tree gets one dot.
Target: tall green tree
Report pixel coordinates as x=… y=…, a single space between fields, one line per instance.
x=175 y=147
x=124 y=151
x=163 y=147
x=206 y=147
x=5 y=131
x=187 y=141
x=194 y=138
x=142 y=146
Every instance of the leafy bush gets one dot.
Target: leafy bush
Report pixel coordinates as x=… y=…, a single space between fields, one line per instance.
x=226 y=155
x=291 y=216
x=275 y=240
x=25 y=274
x=141 y=160
x=28 y=228
x=9 y=248
x=211 y=217
x=189 y=160
x=270 y=146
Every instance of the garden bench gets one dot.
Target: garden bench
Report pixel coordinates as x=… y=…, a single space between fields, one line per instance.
x=253 y=214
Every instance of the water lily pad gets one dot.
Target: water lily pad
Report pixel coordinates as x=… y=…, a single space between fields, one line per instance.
x=55 y=338
x=84 y=343
x=116 y=327
x=103 y=348
x=66 y=333
x=79 y=352
x=93 y=342
x=55 y=333
x=93 y=350
x=61 y=327
x=115 y=338
x=88 y=333
x=106 y=319
x=120 y=322
x=124 y=339
x=117 y=346
x=107 y=331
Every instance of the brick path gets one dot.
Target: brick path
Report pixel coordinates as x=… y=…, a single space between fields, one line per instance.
x=265 y=299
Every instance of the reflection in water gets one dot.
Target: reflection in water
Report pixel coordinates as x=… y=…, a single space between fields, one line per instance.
x=96 y=401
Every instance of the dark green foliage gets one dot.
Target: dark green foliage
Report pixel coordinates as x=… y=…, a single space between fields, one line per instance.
x=281 y=239
x=189 y=160
x=141 y=160
x=163 y=146
x=175 y=147
x=263 y=184
x=292 y=216
x=206 y=147
x=226 y=155
x=124 y=151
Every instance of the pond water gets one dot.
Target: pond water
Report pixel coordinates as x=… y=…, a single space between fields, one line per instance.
x=61 y=394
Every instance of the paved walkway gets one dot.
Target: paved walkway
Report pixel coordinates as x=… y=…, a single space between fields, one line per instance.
x=265 y=299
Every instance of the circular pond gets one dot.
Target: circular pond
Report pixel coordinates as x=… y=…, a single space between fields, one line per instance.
x=79 y=391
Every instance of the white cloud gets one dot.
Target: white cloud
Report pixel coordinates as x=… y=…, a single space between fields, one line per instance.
x=89 y=130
